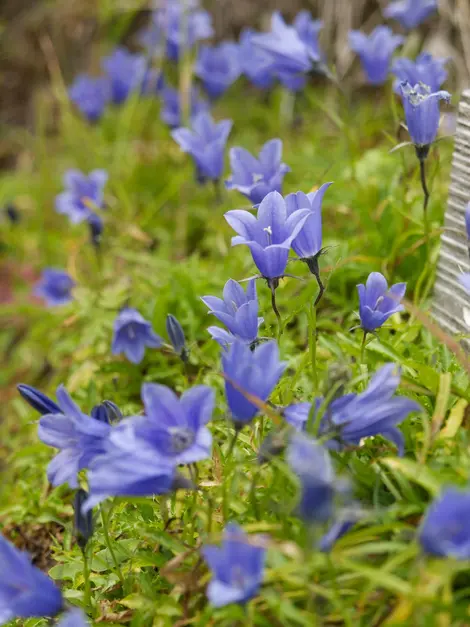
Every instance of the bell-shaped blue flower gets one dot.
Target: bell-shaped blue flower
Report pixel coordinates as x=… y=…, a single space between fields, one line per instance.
x=237 y=567
x=444 y=531
x=25 y=591
x=250 y=373
x=425 y=69
x=174 y=428
x=132 y=334
x=410 y=13
x=308 y=30
x=90 y=95
x=84 y=194
x=171 y=106
x=125 y=71
x=256 y=177
x=205 y=142
x=237 y=310
x=218 y=67
x=269 y=235
x=255 y=64
x=422 y=114
x=377 y=302
x=38 y=401
x=78 y=437
x=55 y=286
x=308 y=242
x=375 y=51
x=74 y=617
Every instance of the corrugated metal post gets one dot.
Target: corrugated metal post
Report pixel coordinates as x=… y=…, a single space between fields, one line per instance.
x=451 y=305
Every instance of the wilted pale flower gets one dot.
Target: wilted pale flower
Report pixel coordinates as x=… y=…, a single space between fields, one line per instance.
x=255 y=373
x=237 y=567
x=205 y=142
x=171 y=106
x=38 y=401
x=125 y=72
x=238 y=310
x=256 y=177
x=25 y=591
x=78 y=437
x=83 y=194
x=377 y=302
x=218 y=67
x=425 y=69
x=255 y=64
x=422 y=114
x=269 y=235
x=375 y=51
x=90 y=95
x=132 y=333
x=410 y=13
x=55 y=286
x=444 y=531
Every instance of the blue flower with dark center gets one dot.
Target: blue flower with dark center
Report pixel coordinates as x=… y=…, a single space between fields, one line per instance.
x=256 y=177
x=218 y=67
x=377 y=302
x=25 y=591
x=83 y=195
x=237 y=567
x=375 y=51
x=55 y=286
x=171 y=106
x=90 y=95
x=426 y=69
x=125 y=71
x=132 y=334
x=444 y=531
x=410 y=13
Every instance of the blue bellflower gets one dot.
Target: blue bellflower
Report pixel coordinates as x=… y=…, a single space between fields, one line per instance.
x=422 y=114
x=255 y=64
x=337 y=530
x=205 y=142
x=256 y=177
x=308 y=30
x=83 y=194
x=90 y=95
x=25 y=591
x=38 y=401
x=375 y=51
x=55 y=286
x=377 y=302
x=237 y=567
x=410 y=13
x=237 y=310
x=171 y=106
x=218 y=67
x=312 y=464
x=174 y=428
x=132 y=334
x=269 y=235
x=78 y=437
x=425 y=69
x=74 y=617
x=255 y=373
x=125 y=71
x=444 y=531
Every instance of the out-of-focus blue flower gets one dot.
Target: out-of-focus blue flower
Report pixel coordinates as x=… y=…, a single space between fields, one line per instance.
x=177 y=26
x=78 y=437
x=95 y=225
x=218 y=67
x=82 y=523
x=171 y=106
x=74 y=617
x=176 y=336
x=422 y=114
x=132 y=333
x=221 y=336
x=308 y=30
x=152 y=83
x=377 y=303
x=255 y=64
x=464 y=280
x=82 y=196
x=38 y=401
x=426 y=69
x=336 y=531
x=298 y=413
x=269 y=236
x=125 y=71
x=467 y=220
x=55 y=287
x=256 y=177
x=90 y=95
x=375 y=51
x=410 y=13
x=255 y=373
x=444 y=531
x=237 y=567
x=312 y=464
x=238 y=310
x=25 y=591
x=308 y=242
x=174 y=428
x=205 y=142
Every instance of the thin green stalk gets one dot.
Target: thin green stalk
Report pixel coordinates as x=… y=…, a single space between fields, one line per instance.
x=312 y=345
x=86 y=581
x=363 y=349
x=336 y=593
x=422 y=172
x=228 y=479
x=109 y=545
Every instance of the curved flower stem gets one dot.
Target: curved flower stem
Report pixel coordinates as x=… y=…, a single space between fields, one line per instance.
x=273 y=285
x=312 y=344
x=312 y=263
x=422 y=171
x=109 y=545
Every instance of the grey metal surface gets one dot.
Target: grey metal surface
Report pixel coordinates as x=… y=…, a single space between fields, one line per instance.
x=451 y=306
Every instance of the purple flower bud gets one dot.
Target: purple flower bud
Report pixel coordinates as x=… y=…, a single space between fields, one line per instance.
x=176 y=336
x=38 y=401
x=83 y=523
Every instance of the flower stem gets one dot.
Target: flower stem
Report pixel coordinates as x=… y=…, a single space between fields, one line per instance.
x=312 y=345
x=363 y=348
x=312 y=263
x=422 y=171
x=109 y=544
x=273 y=284
x=86 y=581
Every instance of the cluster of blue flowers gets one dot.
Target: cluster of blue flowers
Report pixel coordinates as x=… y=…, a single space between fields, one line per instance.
x=103 y=454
